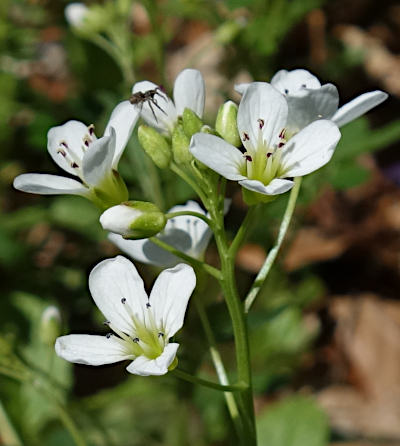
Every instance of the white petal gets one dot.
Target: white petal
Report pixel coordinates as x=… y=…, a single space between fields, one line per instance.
x=164 y=119
x=144 y=366
x=309 y=105
x=91 y=349
x=189 y=92
x=241 y=88
x=170 y=295
x=123 y=119
x=144 y=251
x=218 y=155
x=119 y=218
x=198 y=230
x=114 y=281
x=75 y=13
x=358 y=106
x=275 y=187
x=291 y=82
x=261 y=101
x=72 y=133
x=97 y=161
x=43 y=184
x=311 y=148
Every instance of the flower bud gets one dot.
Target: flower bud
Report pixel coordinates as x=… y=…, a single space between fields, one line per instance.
x=191 y=122
x=226 y=123
x=75 y=14
x=155 y=145
x=50 y=325
x=134 y=219
x=209 y=130
x=180 y=146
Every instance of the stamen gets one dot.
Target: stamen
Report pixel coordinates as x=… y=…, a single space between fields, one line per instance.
x=282 y=134
x=107 y=323
x=286 y=91
x=269 y=154
x=123 y=300
x=108 y=335
x=261 y=123
x=63 y=143
x=148 y=305
x=62 y=152
x=246 y=137
x=160 y=334
x=248 y=157
x=91 y=129
x=136 y=340
x=303 y=85
x=74 y=165
x=281 y=144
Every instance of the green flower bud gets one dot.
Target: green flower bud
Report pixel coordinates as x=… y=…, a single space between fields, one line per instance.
x=134 y=219
x=155 y=145
x=180 y=146
x=50 y=325
x=191 y=122
x=226 y=123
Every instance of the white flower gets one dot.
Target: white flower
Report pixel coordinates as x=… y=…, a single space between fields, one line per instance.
x=189 y=92
x=75 y=148
x=142 y=325
x=309 y=101
x=75 y=13
x=270 y=161
x=189 y=234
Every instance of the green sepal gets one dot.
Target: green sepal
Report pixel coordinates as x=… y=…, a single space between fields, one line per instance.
x=251 y=198
x=155 y=145
x=191 y=122
x=149 y=223
x=180 y=145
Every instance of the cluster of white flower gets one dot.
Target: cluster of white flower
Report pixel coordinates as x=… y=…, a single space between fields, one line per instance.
x=287 y=128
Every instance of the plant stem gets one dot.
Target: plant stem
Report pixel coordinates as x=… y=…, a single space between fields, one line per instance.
x=203 y=382
x=269 y=261
x=194 y=214
x=235 y=308
x=191 y=260
x=219 y=367
x=7 y=432
x=243 y=231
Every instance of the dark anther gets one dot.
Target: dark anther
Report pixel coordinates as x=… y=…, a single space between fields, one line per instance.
x=106 y=323
x=260 y=123
x=160 y=334
x=86 y=143
x=281 y=144
x=63 y=143
x=286 y=91
x=62 y=152
x=246 y=137
x=136 y=340
x=248 y=157
x=148 y=305
x=74 y=165
x=91 y=129
x=108 y=335
x=269 y=154
x=282 y=133
x=303 y=85
x=123 y=300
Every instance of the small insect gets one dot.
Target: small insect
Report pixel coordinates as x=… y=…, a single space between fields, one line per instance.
x=140 y=97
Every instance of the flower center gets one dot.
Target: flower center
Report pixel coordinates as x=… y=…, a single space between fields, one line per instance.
x=263 y=162
x=70 y=154
x=147 y=339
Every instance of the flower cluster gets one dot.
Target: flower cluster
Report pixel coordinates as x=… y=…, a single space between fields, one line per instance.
x=280 y=130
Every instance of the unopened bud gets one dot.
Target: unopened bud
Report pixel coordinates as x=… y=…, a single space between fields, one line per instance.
x=50 y=325
x=208 y=129
x=155 y=145
x=226 y=123
x=134 y=219
x=75 y=13
x=180 y=146
x=191 y=122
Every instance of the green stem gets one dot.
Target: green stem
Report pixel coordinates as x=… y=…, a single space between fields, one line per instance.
x=7 y=432
x=236 y=311
x=204 y=382
x=219 y=367
x=243 y=231
x=269 y=261
x=191 y=260
x=194 y=214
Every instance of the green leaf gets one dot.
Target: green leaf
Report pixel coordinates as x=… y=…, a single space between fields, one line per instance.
x=295 y=421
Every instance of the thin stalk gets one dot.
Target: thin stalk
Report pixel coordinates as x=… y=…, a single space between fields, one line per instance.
x=192 y=213
x=243 y=231
x=191 y=260
x=7 y=432
x=204 y=382
x=219 y=367
x=269 y=261
x=236 y=311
